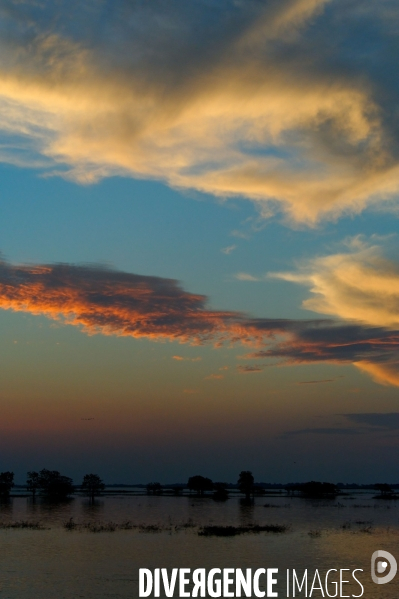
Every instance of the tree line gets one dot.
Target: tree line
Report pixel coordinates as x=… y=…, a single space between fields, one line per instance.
x=52 y=485
x=201 y=484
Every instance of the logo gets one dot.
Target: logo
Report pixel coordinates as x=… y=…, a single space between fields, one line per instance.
x=380 y=560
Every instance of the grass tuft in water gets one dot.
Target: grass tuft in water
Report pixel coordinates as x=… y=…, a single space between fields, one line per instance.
x=314 y=534
x=231 y=531
x=22 y=524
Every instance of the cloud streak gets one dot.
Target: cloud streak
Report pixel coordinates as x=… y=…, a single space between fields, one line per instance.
x=249 y=369
x=101 y=300
x=362 y=423
x=109 y=302
x=388 y=421
x=265 y=100
x=324 y=431
x=316 y=382
x=336 y=343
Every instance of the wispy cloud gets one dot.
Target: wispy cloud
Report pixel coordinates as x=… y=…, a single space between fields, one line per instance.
x=388 y=420
x=245 y=276
x=227 y=250
x=239 y=234
x=316 y=382
x=214 y=377
x=364 y=423
x=182 y=359
x=324 y=431
x=336 y=343
x=249 y=369
x=272 y=101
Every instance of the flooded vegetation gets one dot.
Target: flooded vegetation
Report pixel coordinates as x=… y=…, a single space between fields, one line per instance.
x=94 y=549
x=231 y=531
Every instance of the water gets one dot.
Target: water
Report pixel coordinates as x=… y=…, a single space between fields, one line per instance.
x=57 y=563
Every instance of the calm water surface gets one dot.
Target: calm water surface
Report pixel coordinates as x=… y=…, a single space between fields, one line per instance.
x=57 y=563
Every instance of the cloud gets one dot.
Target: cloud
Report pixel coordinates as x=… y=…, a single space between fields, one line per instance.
x=109 y=302
x=335 y=343
x=384 y=374
x=227 y=250
x=291 y=104
x=102 y=300
x=389 y=420
x=316 y=382
x=244 y=276
x=365 y=423
x=323 y=431
x=249 y=369
x=239 y=234
x=358 y=285
x=214 y=377
x=181 y=359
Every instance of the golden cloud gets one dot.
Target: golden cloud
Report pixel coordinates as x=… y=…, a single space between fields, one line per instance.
x=359 y=286
x=245 y=103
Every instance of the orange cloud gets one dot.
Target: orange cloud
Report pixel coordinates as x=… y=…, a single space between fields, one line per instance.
x=384 y=374
x=106 y=301
x=249 y=369
x=109 y=302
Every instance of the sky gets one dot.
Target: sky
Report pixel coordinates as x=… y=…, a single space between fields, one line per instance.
x=199 y=266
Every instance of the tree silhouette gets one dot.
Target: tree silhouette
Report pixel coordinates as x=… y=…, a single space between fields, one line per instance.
x=221 y=493
x=33 y=483
x=317 y=489
x=154 y=489
x=246 y=483
x=92 y=485
x=384 y=489
x=53 y=485
x=199 y=484
x=6 y=483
